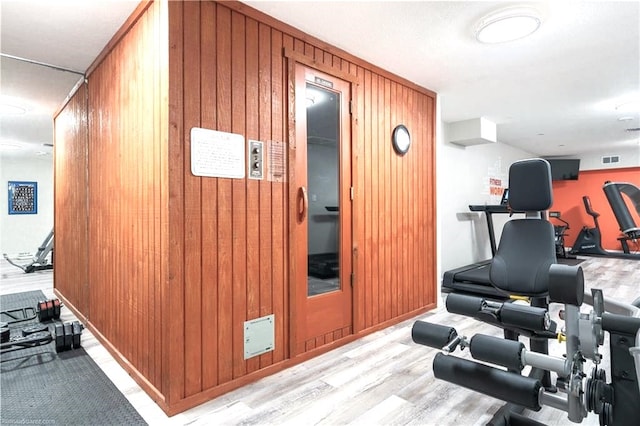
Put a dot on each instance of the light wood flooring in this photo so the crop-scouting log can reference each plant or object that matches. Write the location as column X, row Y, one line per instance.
column 383, row 378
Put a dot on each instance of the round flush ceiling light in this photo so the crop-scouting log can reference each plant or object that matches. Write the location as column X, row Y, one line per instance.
column 11, row 109
column 630, row 106
column 508, row 25
column 11, row 106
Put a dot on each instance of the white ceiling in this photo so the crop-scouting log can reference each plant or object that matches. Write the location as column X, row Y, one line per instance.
column 554, row 93
column 69, row 34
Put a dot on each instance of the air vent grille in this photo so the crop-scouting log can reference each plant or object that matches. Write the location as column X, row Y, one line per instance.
column 611, row 159
column 634, row 129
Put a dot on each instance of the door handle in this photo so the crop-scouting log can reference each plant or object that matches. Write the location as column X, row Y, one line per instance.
column 303, row 204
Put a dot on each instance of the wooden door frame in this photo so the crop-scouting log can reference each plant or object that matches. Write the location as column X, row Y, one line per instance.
column 294, row 60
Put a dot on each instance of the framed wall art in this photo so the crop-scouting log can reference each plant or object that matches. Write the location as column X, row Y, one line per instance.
column 23, row 197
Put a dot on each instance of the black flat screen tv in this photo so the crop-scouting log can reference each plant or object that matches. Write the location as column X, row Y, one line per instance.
column 564, row 169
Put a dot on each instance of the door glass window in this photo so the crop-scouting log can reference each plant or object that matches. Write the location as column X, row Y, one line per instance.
column 323, row 178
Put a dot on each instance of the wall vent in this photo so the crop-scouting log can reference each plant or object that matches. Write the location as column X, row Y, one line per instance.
column 611, row 159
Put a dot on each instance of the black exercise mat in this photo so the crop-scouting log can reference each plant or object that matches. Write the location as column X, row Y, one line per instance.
column 40, row 386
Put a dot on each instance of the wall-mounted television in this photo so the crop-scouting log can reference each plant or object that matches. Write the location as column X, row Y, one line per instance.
column 564, row 169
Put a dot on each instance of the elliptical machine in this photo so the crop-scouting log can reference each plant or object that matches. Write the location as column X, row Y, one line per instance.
column 559, row 230
column 589, row 240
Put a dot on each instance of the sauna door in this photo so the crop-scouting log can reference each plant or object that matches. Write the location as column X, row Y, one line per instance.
column 321, row 198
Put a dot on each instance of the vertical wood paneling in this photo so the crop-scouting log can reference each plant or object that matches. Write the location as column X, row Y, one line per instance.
column 374, row 182
column 174, row 365
column 252, row 273
column 159, row 183
column 70, row 188
column 177, row 262
column 366, row 196
column 395, row 206
column 225, row 206
column 253, row 194
column 279, row 201
column 125, row 211
column 209, row 204
column 265, row 199
column 192, row 203
column 387, row 218
column 239, row 197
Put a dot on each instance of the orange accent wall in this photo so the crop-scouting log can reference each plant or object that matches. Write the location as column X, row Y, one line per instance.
column 567, row 199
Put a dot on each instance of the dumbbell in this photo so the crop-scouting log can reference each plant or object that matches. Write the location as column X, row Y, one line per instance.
column 48, row 309
column 68, row 336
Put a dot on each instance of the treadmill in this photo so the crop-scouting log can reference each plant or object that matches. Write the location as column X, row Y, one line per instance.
column 474, row 278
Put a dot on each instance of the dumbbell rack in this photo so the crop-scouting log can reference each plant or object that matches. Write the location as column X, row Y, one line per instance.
column 66, row 335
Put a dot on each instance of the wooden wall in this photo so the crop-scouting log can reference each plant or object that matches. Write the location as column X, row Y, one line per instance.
column 177, row 263
column 228, row 72
column 111, row 227
column 227, row 236
column 128, row 202
column 71, row 232
column 396, row 197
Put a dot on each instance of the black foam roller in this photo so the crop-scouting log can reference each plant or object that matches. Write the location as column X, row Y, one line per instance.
column 432, row 335
column 509, row 387
column 524, row 316
column 497, row 351
column 462, row 304
column 566, row 284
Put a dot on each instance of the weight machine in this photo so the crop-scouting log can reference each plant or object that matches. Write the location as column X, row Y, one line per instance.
column 41, row 260
column 525, row 265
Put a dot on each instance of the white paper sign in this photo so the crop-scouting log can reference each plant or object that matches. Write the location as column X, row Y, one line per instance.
column 277, row 162
column 217, row 154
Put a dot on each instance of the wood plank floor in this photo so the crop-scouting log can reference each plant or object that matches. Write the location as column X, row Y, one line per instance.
column 383, row 378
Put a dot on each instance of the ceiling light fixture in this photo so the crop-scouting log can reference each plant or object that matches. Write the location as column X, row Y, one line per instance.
column 7, row 145
column 631, row 106
column 11, row 109
column 508, row 24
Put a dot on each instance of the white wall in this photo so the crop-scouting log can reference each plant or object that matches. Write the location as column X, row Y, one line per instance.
column 24, row 233
column 629, row 157
column 463, row 175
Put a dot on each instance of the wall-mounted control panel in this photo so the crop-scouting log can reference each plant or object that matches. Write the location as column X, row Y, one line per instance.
column 256, row 160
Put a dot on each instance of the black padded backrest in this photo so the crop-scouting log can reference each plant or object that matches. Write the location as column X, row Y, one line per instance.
column 527, row 246
column 530, row 185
